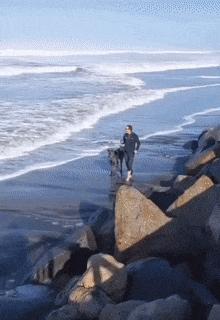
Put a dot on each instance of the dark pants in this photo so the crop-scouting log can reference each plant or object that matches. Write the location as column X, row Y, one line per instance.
column 129, row 158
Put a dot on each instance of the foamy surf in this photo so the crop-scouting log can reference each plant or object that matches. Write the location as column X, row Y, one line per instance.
column 188, row 120
column 103, row 106
column 16, row 71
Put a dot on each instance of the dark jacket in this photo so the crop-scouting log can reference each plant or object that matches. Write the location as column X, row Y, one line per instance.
column 131, row 142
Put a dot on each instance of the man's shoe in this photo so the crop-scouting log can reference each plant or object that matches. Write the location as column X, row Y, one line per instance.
column 129, row 176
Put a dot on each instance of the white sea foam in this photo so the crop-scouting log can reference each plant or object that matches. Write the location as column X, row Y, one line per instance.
column 152, row 67
column 49, row 165
column 188, row 120
column 95, row 108
column 15, row 71
column 209, row 77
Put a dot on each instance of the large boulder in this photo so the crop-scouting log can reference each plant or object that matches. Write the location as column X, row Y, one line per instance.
column 67, row 312
column 163, row 197
column 200, row 186
column 106, row 273
column 197, row 160
column 214, row 313
column 198, row 210
column 143, row 230
column 154, row 278
column 83, row 237
column 213, row 223
column 136, row 218
column 63, row 296
column 211, row 267
column 102, row 224
column 208, row 137
column 89, row 301
column 74, row 250
column 172, row 308
column 183, row 182
column 214, row 170
column 119, row 311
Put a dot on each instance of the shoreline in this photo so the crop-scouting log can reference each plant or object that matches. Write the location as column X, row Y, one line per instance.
column 45, row 225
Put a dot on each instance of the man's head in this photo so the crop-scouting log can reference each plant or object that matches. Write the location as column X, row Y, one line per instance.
column 128, row 129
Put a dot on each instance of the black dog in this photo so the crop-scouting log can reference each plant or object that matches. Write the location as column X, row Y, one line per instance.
column 116, row 157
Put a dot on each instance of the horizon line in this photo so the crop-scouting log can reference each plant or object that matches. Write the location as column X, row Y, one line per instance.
column 56, row 52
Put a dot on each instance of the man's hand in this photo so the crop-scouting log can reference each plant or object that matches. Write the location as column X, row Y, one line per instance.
column 135, row 151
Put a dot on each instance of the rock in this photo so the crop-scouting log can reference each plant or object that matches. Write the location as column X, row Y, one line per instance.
column 54, row 258
column 193, row 145
column 196, row 212
column 172, row 308
column 119, row 311
column 195, row 162
column 164, row 197
column 215, row 312
column 83, row 237
column 211, row 274
column 208, row 136
column 63, row 296
column 154, row 278
column 201, row 185
column 214, row 171
column 184, row 268
column 106, row 273
column 50, row 264
column 67, row 312
column 26, row 302
column 89, row 301
column 136, row 218
column 183, row 182
column 201, row 295
column 213, row 223
column 102, row 224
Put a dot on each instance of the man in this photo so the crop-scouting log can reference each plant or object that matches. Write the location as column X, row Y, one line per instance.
column 131, row 144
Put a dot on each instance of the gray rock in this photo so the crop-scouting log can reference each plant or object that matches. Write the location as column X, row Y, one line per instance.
column 102, row 224
column 78, row 245
column 119, row 311
column 183, row 182
column 208, row 137
column 213, row 223
column 106, row 273
column 63, row 296
column 67, row 312
column 89, row 301
column 212, row 270
column 163, row 197
column 154, row 278
column 193, row 145
column 201, row 185
column 136, row 218
column 214, row 313
column 214, row 170
column 172, row 308
column 84, row 237
column 196, row 161
column 201, row 295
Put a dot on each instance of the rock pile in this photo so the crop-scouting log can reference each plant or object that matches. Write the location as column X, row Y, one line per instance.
column 158, row 257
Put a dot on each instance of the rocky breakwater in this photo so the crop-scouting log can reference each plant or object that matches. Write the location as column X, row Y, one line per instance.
column 155, row 259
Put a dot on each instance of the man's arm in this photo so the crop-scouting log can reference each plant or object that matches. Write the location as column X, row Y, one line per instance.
column 123, row 140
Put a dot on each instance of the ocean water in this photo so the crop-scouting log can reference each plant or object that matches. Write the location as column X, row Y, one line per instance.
column 61, row 110
column 51, row 103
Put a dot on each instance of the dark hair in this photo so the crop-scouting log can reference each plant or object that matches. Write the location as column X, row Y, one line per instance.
column 129, row 127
